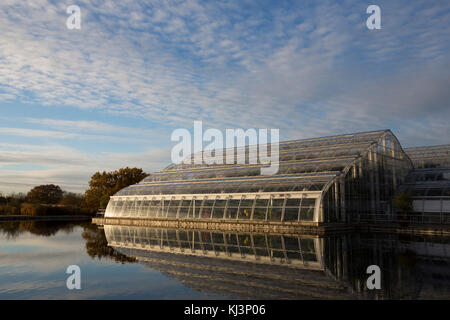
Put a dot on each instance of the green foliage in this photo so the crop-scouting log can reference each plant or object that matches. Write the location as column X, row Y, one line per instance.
column 403, row 202
column 45, row 194
column 105, row 184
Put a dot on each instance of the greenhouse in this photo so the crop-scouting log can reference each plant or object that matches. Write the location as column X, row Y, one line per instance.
column 328, row 179
column 429, row 183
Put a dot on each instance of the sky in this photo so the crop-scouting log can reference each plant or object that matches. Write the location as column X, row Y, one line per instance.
column 109, row 95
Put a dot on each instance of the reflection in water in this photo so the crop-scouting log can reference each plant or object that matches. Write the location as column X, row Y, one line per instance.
column 34, row 258
column 136, row 262
column 97, row 245
column 291, row 267
column 13, row 229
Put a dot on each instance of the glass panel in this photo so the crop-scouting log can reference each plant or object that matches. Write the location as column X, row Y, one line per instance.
column 184, row 209
column 231, row 213
column 137, row 207
column 233, row 203
column 165, row 206
column 274, row 214
column 198, row 204
column 134, row 207
column 126, row 208
column 245, row 209
column 144, row 208
column 219, row 207
column 183, row 212
column 277, row 202
column 153, row 208
column 308, row 202
column 308, row 250
column 261, row 203
column 174, row 204
column 118, row 208
column 291, row 214
column 260, row 213
column 293, row 203
column 207, row 208
column 307, row 209
column 245, row 244
column 247, row 203
column 220, row 203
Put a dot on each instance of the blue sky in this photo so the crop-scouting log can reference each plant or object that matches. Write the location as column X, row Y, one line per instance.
column 109, row 95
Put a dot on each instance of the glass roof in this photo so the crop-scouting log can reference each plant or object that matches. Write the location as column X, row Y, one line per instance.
column 431, row 182
column 305, row 165
column 431, row 177
column 430, row 157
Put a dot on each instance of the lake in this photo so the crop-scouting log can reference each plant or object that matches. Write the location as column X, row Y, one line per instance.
column 119, row 262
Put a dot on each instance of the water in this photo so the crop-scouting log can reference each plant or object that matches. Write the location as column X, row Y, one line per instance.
column 147, row 263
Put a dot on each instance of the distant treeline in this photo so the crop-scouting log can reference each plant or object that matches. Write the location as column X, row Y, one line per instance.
column 51, row 200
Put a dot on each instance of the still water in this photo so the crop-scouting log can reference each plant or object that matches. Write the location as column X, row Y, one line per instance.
column 120, row 262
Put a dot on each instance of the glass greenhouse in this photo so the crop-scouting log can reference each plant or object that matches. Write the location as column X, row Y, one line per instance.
column 328, row 179
column 429, row 183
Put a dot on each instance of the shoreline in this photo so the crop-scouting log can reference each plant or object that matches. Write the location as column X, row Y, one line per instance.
column 44, row 218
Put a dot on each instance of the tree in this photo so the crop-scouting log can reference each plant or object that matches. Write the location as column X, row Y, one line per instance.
column 2, row 199
column 72, row 199
column 45, row 194
column 105, row 184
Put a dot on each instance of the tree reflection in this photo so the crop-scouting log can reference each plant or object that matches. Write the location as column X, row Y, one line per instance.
column 13, row 229
column 97, row 245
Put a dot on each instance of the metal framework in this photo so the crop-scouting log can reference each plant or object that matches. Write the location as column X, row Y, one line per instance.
column 430, row 157
column 429, row 183
column 329, row 179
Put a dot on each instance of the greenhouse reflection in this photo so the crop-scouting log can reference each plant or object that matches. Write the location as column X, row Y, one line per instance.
column 263, row 266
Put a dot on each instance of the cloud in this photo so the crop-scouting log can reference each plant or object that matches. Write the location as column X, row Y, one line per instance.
column 92, row 126
column 68, row 167
column 33, row 133
column 307, row 68
column 126, row 57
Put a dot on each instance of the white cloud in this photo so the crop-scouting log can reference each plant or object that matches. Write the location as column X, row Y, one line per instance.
column 67, row 167
column 307, row 69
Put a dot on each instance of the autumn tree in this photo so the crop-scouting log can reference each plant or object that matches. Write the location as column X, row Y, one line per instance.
column 45, row 194
column 105, row 184
column 2, row 199
column 72, row 199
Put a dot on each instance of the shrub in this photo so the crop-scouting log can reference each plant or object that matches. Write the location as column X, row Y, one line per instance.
column 403, row 202
column 29, row 209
